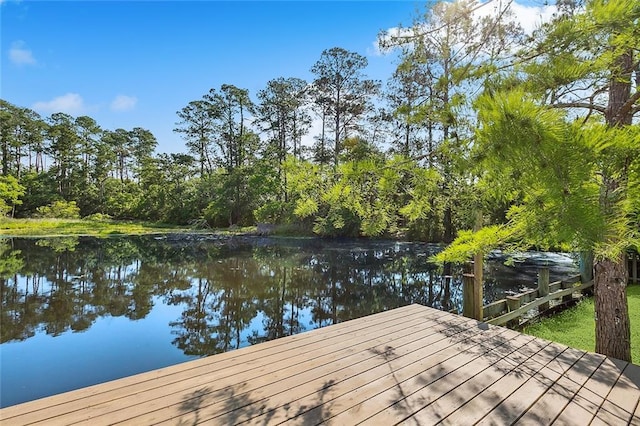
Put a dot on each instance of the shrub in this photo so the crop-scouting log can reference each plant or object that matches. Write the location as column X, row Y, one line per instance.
column 98, row 217
column 59, row 210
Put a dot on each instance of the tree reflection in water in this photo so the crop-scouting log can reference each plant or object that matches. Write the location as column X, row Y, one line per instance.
column 232, row 292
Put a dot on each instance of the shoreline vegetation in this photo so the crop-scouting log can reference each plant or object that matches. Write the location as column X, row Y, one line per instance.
column 99, row 228
column 575, row 327
column 102, row 228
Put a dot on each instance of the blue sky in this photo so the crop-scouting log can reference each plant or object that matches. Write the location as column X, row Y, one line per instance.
column 130, row 64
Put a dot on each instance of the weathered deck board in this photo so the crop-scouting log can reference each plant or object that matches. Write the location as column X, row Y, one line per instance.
column 409, row 364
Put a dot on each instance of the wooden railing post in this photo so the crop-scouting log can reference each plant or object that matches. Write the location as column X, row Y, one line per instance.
column 543, row 287
column 478, row 261
column 478, row 264
column 467, row 295
column 568, row 297
column 513, row 303
column 586, row 269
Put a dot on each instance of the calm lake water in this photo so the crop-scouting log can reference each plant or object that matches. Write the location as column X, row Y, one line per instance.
column 81, row 311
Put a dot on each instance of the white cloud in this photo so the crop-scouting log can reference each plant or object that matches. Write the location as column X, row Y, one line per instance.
column 529, row 17
column 70, row 103
column 389, row 34
column 123, row 103
column 532, row 17
column 20, row 55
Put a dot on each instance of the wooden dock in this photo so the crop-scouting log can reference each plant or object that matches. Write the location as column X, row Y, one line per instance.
column 413, row 365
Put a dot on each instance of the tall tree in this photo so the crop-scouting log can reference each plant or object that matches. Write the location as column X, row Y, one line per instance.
column 283, row 114
column 588, row 61
column 21, row 134
column 341, row 87
column 457, row 49
column 236, row 149
column 232, row 107
column 119, row 141
column 89, row 132
column 579, row 177
column 64, row 148
column 143, row 144
column 197, row 126
column 410, row 93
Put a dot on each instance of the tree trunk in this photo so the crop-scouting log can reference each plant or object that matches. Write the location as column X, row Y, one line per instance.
column 611, row 311
column 610, row 278
column 448, row 225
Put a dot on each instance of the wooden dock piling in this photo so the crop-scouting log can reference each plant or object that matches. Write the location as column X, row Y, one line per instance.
column 543, row 287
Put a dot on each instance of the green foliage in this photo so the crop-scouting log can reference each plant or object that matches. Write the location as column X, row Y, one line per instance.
column 469, row 243
column 269, row 212
column 59, row 210
column 59, row 244
column 98, row 217
column 10, row 193
column 368, row 197
column 121, row 197
column 236, row 196
column 534, row 151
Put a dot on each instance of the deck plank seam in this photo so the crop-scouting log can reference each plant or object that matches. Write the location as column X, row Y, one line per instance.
column 463, row 321
column 534, row 375
column 408, row 378
column 504, row 358
column 469, row 349
column 595, row 413
column 409, row 333
column 466, row 351
column 606, row 400
column 336, row 396
column 575, row 395
column 288, row 366
column 557, row 384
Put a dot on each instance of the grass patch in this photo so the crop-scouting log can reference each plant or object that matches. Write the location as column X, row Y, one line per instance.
column 575, row 327
column 102, row 228
column 62, row 227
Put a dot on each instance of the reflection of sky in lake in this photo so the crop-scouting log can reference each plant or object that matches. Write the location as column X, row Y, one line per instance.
column 112, row 348
column 144, row 303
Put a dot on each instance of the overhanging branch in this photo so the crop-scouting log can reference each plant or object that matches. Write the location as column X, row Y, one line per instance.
column 584, row 105
column 628, row 107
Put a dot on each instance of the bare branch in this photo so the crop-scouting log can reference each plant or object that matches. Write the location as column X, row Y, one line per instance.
column 628, row 106
column 585, row 105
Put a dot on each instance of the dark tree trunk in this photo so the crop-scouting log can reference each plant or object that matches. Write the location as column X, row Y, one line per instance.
column 611, row 311
column 448, row 225
column 619, row 112
column 610, row 278
column 5, row 158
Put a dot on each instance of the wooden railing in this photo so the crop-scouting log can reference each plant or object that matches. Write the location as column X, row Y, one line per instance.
column 634, row 267
column 512, row 308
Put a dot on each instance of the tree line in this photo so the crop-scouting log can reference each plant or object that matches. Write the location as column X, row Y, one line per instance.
column 388, row 157
column 531, row 139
